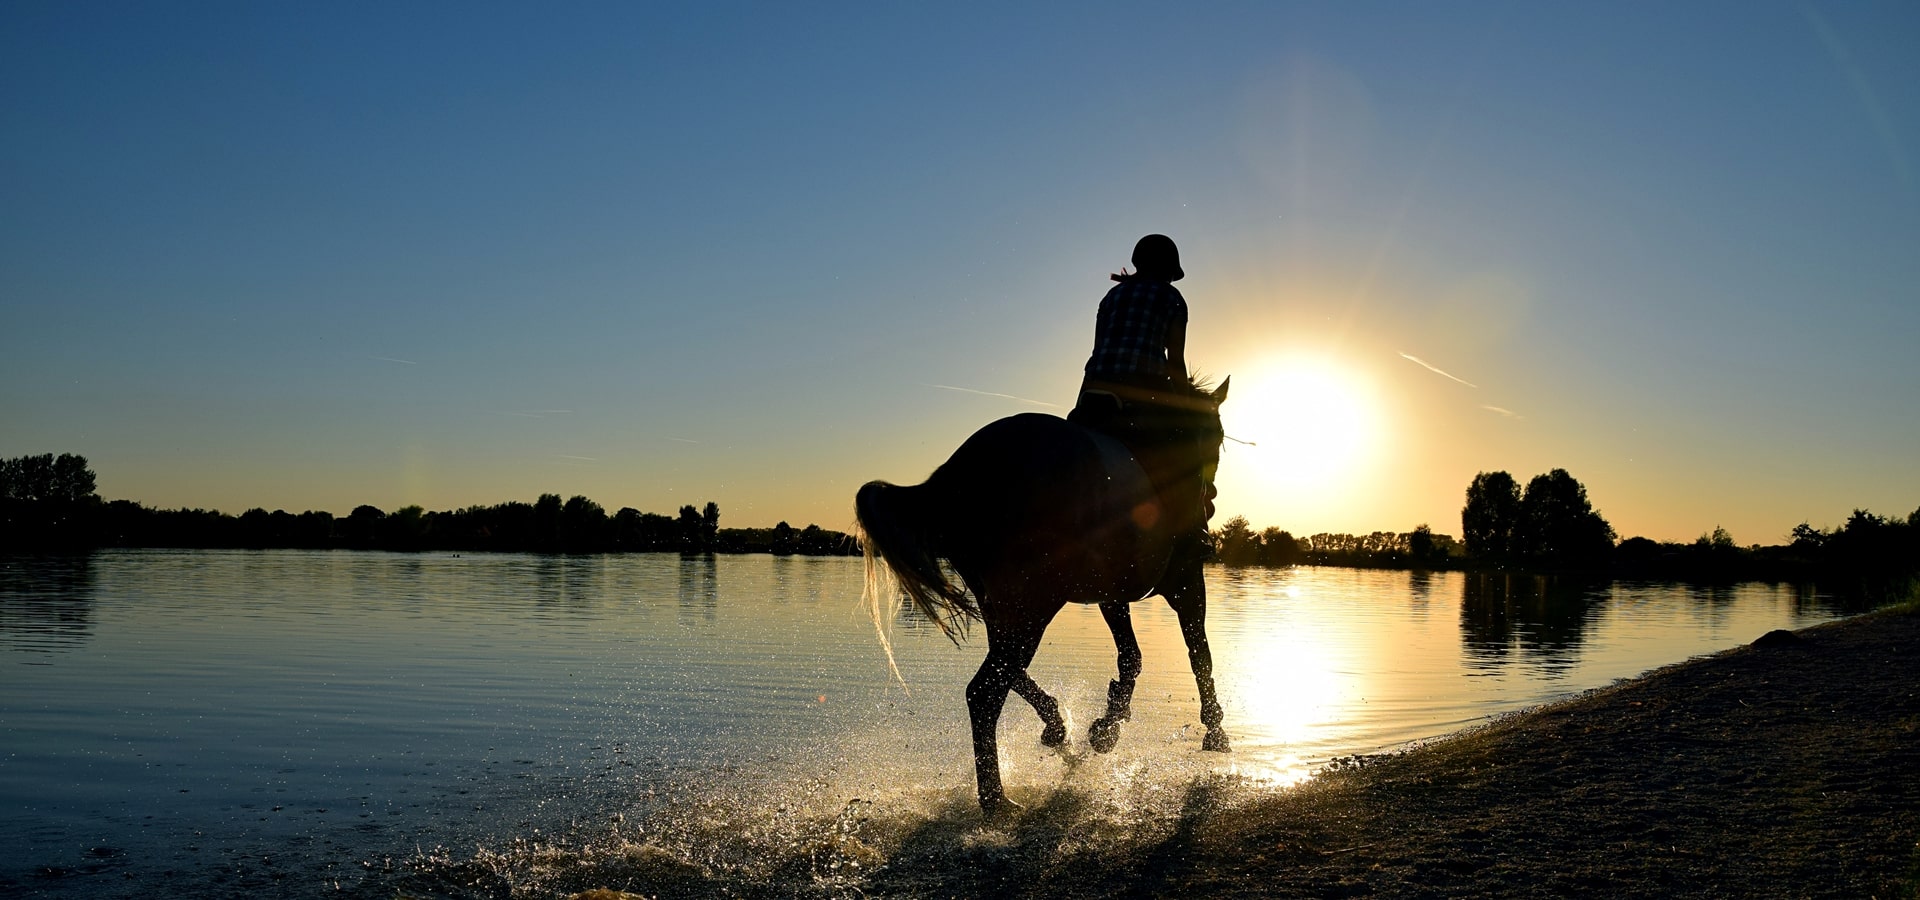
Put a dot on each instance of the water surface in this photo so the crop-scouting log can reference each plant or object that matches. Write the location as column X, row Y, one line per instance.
column 300, row 722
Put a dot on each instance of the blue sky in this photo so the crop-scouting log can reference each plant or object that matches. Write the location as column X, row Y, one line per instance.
column 312, row 257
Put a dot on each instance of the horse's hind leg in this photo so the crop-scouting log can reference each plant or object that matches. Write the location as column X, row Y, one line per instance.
column 1189, row 602
column 1011, row 643
column 1055, row 733
column 1105, row 731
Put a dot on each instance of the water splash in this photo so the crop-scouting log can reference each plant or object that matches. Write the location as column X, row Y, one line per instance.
column 851, row 832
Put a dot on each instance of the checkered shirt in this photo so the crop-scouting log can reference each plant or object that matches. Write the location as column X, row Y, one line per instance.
column 1130, row 335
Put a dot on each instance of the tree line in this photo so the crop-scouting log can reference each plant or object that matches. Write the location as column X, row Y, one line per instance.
column 49, row 502
column 1551, row 526
column 1237, row 544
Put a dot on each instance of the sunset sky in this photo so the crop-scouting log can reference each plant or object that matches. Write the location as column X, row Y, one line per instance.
column 313, row 256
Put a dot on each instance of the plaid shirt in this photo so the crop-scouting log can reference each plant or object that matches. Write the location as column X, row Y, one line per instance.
column 1130, row 335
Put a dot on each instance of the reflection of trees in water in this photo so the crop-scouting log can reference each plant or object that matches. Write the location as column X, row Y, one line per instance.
column 46, row 602
column 699, row 585
column 1810, row 599
column 1236, row 578
column 1420, row 590
column 1543, row 619
column 1714, row 602
column 570, row 587
column 798, row 578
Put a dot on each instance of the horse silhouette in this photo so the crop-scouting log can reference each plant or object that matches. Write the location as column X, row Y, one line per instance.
column 1033, row 512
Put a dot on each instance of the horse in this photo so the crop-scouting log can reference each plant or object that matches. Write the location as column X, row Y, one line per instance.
column 1032, row 512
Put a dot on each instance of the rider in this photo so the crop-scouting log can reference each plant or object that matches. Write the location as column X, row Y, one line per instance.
column 1138, row 362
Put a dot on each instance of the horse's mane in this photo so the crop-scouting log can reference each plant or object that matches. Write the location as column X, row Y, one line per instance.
column 1199, row 384
column 1195, row 396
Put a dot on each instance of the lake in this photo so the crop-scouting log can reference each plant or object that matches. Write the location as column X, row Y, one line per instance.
column 286, row 723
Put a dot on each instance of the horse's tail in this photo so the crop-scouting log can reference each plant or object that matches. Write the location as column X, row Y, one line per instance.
column 901, row 557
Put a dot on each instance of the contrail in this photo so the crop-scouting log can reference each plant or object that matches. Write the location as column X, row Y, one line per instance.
column 1436, row 369
column 1863, row 89
column 406, row 362
column 1505, row 412
column 948, row 387
column 683, row 440
column 585, row 458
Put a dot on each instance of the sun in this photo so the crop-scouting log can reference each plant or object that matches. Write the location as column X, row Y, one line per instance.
column 1311, row 429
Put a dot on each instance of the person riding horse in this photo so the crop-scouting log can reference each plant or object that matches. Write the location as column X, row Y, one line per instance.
column 1033, row 512
column 1139, row 357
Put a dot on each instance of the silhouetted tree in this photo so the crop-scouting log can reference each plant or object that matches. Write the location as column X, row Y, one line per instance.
column 644, row 532
column 784, row 539
column 1238, row 545
column 405, row 529
column 1279, row 548
column 693, row 531
column 256, row 529
column 47, row 501
column 1878, row 556
column 313, row 530
column 1558, row 526
column 1487, row 521
column 710, row 525
column 817, row 541
column 512, row 525
column 546, row 523
column 362, row 527
column 1806, row 539
column 1424, row 548
column 47, row 479
column 583, row 526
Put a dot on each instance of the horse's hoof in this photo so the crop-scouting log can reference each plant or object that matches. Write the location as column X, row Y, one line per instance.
column 1216, row 740
column 1104, row 734
column 1054, row 736
column 1000, row 809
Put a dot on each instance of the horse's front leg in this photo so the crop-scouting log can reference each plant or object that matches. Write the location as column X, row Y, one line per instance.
column 1055, row 732
column 1105, row 732
column 1189, row 601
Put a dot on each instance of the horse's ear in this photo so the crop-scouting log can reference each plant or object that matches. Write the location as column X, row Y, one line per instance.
column 1220, row 393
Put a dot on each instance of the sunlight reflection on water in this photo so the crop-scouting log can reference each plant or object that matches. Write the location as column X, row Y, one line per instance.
column 204, row 711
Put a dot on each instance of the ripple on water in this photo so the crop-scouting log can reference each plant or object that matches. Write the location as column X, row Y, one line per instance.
column 287, row 723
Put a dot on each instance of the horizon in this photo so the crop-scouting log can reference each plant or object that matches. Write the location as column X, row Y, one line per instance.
column 309, row 259
column 1256, row 527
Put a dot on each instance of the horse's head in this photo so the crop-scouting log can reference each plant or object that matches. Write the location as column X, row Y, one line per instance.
column 1201, row 418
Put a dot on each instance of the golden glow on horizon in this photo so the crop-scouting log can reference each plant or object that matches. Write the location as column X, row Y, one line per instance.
column 1315, row 428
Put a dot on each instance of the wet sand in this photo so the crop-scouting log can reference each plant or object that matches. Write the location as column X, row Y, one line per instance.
column 1786, row 768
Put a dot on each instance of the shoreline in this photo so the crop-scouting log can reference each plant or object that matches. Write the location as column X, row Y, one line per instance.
column 1788, row 767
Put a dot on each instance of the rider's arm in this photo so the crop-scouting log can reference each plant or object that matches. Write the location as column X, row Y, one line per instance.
column 1177, row 350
